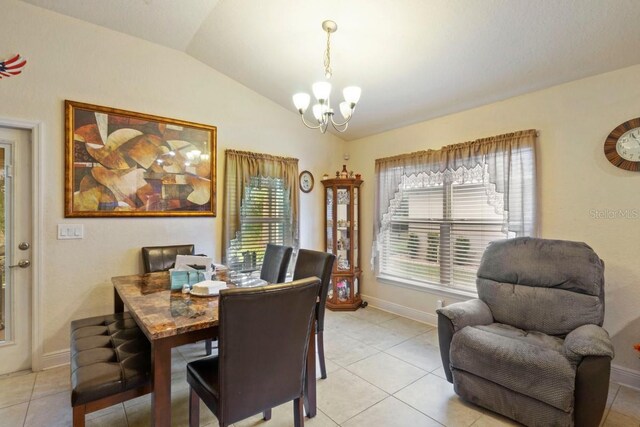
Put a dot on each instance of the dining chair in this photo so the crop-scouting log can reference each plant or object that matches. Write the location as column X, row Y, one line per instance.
column 162, row 258
column 275, row 263
column 314, row 263
column 262, row 350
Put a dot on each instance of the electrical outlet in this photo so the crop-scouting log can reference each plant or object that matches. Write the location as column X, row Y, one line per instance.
column 440, row 303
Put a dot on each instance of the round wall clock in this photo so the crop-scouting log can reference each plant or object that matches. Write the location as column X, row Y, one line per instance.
column 622, row 146
column 306, row 181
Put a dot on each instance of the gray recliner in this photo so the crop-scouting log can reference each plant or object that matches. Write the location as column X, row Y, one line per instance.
column 531, row 347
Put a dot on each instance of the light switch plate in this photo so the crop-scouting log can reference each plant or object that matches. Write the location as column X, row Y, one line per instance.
column 70, row 231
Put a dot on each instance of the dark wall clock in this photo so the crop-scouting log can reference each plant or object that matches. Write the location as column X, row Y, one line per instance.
column 622, row 146
column 306, row 181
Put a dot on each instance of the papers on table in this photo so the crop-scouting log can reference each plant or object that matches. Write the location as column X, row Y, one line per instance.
column 187, row 262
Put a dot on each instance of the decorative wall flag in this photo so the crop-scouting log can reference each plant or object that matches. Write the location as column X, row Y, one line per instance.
column 12, row 66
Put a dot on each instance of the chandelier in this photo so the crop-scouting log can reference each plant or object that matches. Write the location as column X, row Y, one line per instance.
column 322, row 111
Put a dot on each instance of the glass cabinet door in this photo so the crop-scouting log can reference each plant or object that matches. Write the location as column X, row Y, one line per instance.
column 329, row 230
column 355, row 244
column 343, row 237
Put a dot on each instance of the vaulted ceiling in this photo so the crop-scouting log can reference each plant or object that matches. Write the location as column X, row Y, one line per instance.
column 414, row 59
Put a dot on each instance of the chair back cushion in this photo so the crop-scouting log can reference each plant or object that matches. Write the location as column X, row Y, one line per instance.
column 162, row 258
column 551, row 286
column 314, row 263
column 275, row 263
column 263, row 342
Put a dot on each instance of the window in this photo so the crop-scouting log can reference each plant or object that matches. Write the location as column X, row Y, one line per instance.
column 265, row 217
column 438, row 228
column 260, row 207
column 436, row 211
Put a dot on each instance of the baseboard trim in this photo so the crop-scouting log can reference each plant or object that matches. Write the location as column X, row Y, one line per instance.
column 55, row 359
column 401, row 310
column 625, row 376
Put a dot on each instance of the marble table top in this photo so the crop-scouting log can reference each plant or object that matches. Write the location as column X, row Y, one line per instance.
column 161, row 311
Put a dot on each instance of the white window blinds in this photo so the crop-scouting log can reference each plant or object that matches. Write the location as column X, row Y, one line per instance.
column 438, row 229
column 265, row 217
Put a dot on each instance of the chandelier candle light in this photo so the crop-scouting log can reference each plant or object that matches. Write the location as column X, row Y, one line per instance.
column 322, row 111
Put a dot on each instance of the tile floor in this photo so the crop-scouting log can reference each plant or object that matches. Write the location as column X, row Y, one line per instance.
column 383, row 370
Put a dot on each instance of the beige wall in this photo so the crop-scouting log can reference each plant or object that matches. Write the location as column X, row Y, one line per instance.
column 70, row 59
column 574, row 178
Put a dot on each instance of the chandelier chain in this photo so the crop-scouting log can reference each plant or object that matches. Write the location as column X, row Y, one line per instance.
column 327, row 57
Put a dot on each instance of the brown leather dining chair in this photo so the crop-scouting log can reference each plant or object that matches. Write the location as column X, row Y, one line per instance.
column 162, row 258
column 275, row 263
column 314, row 263
column 262, row 351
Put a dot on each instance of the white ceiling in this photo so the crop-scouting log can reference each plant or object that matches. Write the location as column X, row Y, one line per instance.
column 414, row 59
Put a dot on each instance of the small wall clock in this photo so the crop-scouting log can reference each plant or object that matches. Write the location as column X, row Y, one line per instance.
column 622, row 146
column 306, row 181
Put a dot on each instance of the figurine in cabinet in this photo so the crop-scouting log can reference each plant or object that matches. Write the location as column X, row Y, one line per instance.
column 343, row 264
column 343, row 290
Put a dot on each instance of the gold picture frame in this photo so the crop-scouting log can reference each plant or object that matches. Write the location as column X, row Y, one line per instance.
column 121, row 163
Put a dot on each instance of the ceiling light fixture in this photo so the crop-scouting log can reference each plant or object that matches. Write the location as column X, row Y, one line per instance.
column 322, row 111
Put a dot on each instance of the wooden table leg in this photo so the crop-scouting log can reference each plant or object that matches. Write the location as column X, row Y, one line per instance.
column 118, row 305
column 310, row 380
column 161, row 373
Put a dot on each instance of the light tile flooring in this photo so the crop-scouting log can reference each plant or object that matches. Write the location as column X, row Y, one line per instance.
column 383, row 370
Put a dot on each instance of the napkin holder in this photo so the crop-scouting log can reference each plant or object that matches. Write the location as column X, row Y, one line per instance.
column 189, row 270
column 179, row 278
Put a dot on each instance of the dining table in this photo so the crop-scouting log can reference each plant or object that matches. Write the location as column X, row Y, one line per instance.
column 170, row 318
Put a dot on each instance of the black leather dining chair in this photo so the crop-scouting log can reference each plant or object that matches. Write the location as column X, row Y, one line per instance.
column 162, row 258
column 275, row 263
column 262, row 351
column 314, row 263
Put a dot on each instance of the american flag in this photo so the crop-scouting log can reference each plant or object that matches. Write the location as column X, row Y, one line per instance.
column 12, row 66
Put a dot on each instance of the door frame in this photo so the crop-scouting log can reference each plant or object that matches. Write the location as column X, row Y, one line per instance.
column 37, row 221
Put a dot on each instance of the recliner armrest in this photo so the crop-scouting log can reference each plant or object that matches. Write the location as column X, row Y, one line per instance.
column 587, row 340
column 467, row 313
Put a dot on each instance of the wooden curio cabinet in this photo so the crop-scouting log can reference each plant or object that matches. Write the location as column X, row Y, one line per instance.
column 342, row 238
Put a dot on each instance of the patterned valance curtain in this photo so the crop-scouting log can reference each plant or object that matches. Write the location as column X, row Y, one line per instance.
column 239, row 167
column 510, row 160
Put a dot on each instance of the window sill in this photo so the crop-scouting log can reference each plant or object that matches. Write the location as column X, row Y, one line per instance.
column 425, row 287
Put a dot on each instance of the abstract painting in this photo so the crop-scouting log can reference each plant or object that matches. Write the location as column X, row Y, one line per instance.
column 121, row 163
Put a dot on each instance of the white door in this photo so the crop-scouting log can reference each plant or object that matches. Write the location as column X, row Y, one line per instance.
column 15, row 250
